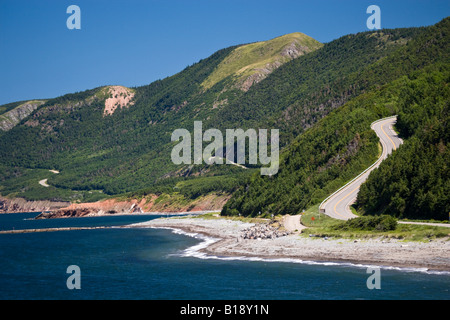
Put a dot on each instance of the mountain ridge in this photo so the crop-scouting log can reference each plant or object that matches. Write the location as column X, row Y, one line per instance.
column 253, row 62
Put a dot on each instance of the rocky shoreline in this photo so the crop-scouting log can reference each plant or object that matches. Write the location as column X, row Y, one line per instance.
column 113, row 206
column 232, row 242
column 72, row 212
column 19, row 205
column 262, row 231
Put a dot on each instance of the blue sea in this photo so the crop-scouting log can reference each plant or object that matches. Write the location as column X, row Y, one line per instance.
column 137, row 263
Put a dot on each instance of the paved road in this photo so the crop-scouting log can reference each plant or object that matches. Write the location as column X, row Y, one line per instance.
column 44, row 183
column 338, row 204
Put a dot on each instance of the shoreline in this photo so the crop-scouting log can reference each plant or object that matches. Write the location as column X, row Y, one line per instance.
column 222, row 239
column 106, row 214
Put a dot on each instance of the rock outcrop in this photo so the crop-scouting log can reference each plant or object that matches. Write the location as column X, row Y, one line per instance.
column 263, row 231
column 51, row 209
column 119, row 97
column 22, row 205
column 11, row 118
column 100, row 208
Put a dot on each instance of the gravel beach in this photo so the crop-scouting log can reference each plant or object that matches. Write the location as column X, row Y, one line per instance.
column 434, row 255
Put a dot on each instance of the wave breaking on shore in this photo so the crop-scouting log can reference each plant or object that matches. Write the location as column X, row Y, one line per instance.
column 213, row 242
column 196, row 252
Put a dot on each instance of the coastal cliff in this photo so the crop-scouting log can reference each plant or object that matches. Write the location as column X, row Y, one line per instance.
column 18, row 205
column 148, row 204
column 104, row 207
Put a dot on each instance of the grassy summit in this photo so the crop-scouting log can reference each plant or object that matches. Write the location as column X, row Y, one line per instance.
column 253, row 62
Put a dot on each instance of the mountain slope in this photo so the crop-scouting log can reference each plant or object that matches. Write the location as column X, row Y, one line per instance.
column 296, row 95
column 117, row 139
column 341, row 145
column 415, row 182
column 251, row 63
column 13, row 116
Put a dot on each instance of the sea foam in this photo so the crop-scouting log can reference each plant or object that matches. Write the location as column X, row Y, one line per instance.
column 196, row 252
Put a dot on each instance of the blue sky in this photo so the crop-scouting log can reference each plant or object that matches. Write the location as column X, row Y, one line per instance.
column 135, row 42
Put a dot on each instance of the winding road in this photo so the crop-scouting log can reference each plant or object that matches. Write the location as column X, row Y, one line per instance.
column 338, row 204
column 44, row 183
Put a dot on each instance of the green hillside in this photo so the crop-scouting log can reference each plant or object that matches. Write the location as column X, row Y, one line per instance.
column 253, row 62
column 340, row 146
column 128, row 149
column 415, row 181
column 299, row 93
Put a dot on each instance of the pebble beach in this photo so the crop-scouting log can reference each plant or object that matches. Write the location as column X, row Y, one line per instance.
column 230, row 240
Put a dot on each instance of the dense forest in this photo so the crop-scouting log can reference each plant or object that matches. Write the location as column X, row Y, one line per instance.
column 415, row 181
column 341, row 145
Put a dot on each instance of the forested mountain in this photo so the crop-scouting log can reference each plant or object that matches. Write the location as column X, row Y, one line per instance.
column 303, row 91
column 340, row 146
column 322, row 97
column 114, row 139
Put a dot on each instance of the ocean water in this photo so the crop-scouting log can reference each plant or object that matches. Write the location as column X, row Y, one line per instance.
column 136, row 263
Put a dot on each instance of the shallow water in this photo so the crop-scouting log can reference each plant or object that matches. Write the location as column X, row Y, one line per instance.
column 136, row 263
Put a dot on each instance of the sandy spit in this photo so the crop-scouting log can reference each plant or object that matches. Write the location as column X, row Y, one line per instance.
column 434, row 255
